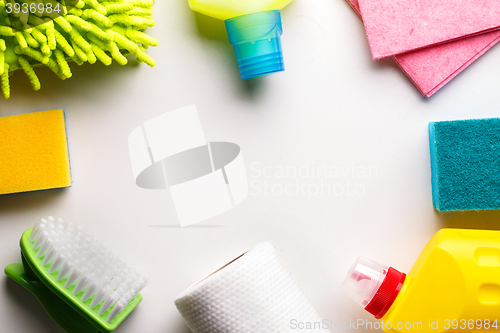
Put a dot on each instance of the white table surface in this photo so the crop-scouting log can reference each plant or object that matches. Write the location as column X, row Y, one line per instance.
column 332, row 108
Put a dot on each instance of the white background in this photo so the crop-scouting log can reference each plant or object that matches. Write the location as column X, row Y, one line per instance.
column 333, row 107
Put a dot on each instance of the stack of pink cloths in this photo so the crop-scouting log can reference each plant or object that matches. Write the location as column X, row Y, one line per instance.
column 431, row 40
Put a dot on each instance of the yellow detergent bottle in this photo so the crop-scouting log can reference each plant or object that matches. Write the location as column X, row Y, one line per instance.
column 254, row 28
column 453, row 286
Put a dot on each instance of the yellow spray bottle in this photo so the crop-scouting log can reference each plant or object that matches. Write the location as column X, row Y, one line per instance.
column 254, row 28
column 453, row 286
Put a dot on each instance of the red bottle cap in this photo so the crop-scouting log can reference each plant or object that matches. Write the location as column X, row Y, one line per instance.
column 374, row 286
column 387, row 293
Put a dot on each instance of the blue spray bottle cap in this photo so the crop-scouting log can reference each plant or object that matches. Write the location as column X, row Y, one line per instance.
column 257, row 41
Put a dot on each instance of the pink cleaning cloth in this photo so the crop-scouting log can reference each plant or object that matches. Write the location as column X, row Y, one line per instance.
column 432, row 67
column 398, row 26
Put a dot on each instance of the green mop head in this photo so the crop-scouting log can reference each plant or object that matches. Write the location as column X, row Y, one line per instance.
column 32, row 35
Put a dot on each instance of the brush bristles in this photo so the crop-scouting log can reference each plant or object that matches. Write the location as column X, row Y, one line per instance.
column 87, row 265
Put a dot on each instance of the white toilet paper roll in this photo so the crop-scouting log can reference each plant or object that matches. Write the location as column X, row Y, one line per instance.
column 252, row 294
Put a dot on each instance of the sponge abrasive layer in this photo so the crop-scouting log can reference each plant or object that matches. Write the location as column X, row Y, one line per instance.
column 465, row 163
column 33, row 152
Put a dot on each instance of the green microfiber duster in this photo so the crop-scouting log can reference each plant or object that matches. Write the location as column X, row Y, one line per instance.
column 465, row 163
column 90, row 30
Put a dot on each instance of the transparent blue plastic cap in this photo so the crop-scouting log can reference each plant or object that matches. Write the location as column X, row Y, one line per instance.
column 257, row 41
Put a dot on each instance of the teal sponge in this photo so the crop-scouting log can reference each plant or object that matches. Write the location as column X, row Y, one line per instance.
column 465, row 163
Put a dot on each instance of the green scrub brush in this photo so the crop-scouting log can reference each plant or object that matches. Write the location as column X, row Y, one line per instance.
column 90, row 30
column 82, row 285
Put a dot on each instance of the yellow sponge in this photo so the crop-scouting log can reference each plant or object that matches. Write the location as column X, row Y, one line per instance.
column 33, row 152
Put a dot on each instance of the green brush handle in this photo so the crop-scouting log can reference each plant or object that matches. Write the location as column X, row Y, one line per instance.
column 67, row 318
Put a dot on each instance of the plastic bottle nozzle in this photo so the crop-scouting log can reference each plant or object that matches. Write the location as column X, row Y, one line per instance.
column 257, row 41
column 373, row 286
